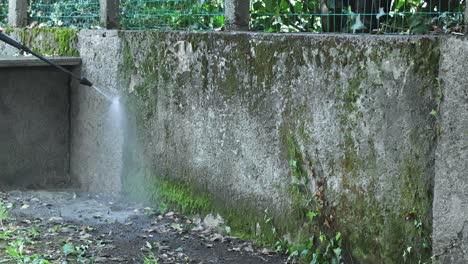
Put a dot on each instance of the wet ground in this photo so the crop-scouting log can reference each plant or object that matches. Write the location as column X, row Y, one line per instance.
column 71, row 227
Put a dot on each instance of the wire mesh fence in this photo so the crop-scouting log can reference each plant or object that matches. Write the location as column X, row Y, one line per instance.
column 3, row 12
column 64, row 13
column 172, row 14
column 347, row 16
column 357, row 16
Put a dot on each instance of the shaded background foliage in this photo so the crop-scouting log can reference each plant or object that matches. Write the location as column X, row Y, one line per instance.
column 384, row 16
column 379, row 16
column 64, row 13
column 3, row 12
column 172, row 14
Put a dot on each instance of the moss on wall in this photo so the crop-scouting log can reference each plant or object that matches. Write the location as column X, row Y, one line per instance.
column 49, row 41
column 381, row 230
column 375, row 228
column 192, row 198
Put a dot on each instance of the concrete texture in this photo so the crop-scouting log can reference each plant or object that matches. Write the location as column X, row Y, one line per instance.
column 35, row 127
column 23, row 61
column 236, row 15
column 17, row 13
column 109, row 14
column 373, row 129
column 253, row 120
column 451, row 178
column 46, row 41
column 97, row 138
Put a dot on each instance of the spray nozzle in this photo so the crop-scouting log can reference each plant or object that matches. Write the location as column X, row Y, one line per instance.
column 85, row 81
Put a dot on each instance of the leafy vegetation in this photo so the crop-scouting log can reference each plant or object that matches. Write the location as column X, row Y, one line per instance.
column 17, row 252
column 421, row 244
column 316, row 248
column 3, row 12
column 4, row 213
column 29, row 242
column 150, row 259
column 410, row 16
column 64, row 13
column 403, row 17
column 172, row 14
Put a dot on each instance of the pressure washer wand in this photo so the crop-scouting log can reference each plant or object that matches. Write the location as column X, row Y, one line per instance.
column 16, row 44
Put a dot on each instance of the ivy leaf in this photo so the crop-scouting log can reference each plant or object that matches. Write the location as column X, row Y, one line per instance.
column 311, row 215
column 322, row 237
column 337, row 252
column 409, row 249
column 419, row 24
column 68, row 249
column 13, row 252
column 314, row 259
column 338, row 236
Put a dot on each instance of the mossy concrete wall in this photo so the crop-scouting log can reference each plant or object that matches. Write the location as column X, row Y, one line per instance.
column 46, row 41
column 257, row 121
column 355, row 128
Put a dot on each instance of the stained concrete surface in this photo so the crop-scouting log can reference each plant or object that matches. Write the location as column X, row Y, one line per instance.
column 229, row 113
column 91, row 161
column 34, row 125
column 203, row 108
column 73, row 206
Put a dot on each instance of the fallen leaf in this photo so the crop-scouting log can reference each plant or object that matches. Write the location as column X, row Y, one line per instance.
column 169, row 214
column 179, row 249
column 148, row 245
column 216, row 237
column 56, row 219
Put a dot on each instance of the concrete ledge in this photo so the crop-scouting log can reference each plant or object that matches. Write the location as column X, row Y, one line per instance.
column 30, row 61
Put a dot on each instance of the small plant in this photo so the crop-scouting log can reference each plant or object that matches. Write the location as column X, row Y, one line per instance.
column 439, row 97
column 418, row 249
column 151, row 259
column 34, row 233
column 6, row 235
column 78, row 251
column 17, row 252
column 4, row 213
column 163, row 208
column 319, row 248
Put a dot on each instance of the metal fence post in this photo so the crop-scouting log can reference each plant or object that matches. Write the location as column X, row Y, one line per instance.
column 236, row 14
column 17, row 13
column 109, row 14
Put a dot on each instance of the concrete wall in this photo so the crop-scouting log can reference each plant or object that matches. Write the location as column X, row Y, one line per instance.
column 372, row 129
column 268, row 121
column 97, row 138
column 35, row 124
column 451, row 167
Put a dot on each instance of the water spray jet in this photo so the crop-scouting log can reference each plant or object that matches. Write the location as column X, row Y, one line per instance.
column 5, row 38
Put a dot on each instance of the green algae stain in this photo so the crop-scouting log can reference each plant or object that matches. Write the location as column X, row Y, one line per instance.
column 377, row 229
column 145, row 186
column 128, row 65
column 191, row 198
column 295, row 158
column 51, row 41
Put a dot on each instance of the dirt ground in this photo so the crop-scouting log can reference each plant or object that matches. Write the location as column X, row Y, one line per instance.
column 72, row 227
